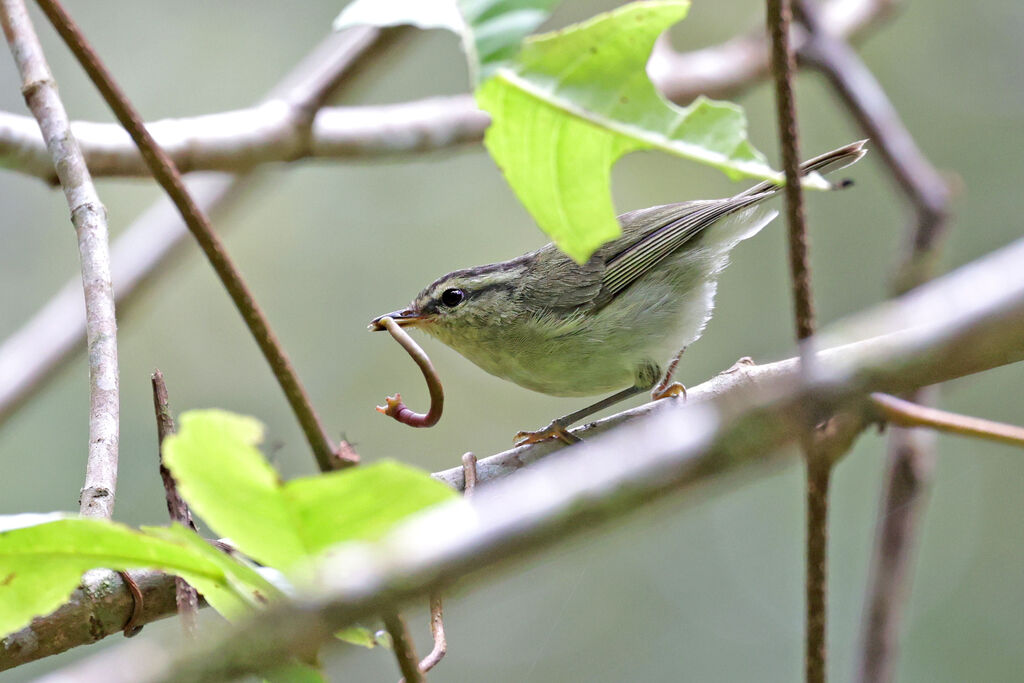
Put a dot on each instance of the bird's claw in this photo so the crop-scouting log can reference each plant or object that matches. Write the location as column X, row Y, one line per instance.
column 671, row 391
column 555, row 430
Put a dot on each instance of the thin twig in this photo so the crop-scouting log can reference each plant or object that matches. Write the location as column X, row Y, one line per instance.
column 437, row 632
column 783, row 67
column 90, row 220
column 186, row 596
column 907, row 414
column 33, row 354
column 405, row 651
column 394, row 406
column 911, row 455
column 436, row 604
column 170, row 180
column 779, row 17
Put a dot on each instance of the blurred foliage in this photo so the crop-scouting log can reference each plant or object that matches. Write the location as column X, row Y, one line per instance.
column 706, row 589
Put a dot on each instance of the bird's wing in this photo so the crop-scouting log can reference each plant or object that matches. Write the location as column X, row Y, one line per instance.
column 668, row 234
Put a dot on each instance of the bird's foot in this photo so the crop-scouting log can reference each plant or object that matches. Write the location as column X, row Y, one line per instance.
column 555, row 430
column 670, row 391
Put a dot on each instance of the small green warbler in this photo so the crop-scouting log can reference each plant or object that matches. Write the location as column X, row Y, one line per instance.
column 552, row 325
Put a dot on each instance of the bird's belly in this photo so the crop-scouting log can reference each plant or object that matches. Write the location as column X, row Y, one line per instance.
column 601, row 352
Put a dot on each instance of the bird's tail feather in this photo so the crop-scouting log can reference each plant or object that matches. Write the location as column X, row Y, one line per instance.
column 826, row 163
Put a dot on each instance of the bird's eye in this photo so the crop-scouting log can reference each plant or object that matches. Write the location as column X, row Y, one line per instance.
column 452, row 297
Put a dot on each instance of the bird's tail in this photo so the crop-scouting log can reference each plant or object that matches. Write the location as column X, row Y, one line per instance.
column 826, row 163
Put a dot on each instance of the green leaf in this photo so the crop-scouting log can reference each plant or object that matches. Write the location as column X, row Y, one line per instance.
column 575, row 101
column 296, row 672
column 226, row 480
column 358, row 635
column 490, row 30
column 361, row 503
column 42, row 558
column 242, row 589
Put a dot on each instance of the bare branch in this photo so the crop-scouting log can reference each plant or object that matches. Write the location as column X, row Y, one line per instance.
column 908, row 470
column 239, row 140
column 967, row 316
column 907, row 414
column 911, row 455
column 967, row 322
column 90, row 220
column 722, row 70
column 170, row 180
column 90, row 615
column 405, row 650
column 35, row 352
column 826, row 51
column 186, row 596
column 819, row 468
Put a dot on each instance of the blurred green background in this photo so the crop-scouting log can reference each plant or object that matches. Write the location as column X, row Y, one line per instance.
column 703, row 589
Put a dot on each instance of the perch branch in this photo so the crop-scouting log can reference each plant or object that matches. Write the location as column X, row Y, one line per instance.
column 966, row 322
column 90, row 220
column 237, row 141
column 962, row 323
column 170, row 180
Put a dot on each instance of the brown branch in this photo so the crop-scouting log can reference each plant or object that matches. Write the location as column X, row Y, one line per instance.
column 170, row 180
column 394, row 407
column 90, row 220
column 90, row 615
column 186, row 596
column 908, row 471
column 819, row 468
column 723, row 70
column 864, row 97
column 102, row 606
column 33, row 354
column 911, row 455
column 896, row 411
column 405, row 650
column 440, row 648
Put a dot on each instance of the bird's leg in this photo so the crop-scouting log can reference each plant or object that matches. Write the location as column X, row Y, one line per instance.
column 558, row 429
column 666, row 387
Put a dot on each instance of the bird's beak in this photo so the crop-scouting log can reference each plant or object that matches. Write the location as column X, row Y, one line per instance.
column 404, row 317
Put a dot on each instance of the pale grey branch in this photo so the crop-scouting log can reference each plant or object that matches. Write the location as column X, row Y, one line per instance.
column 39, row 348
column 969, row 321
column 89, row 217
column 239, row 140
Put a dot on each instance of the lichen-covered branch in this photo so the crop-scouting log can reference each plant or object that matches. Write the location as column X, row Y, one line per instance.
column 89, row 217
